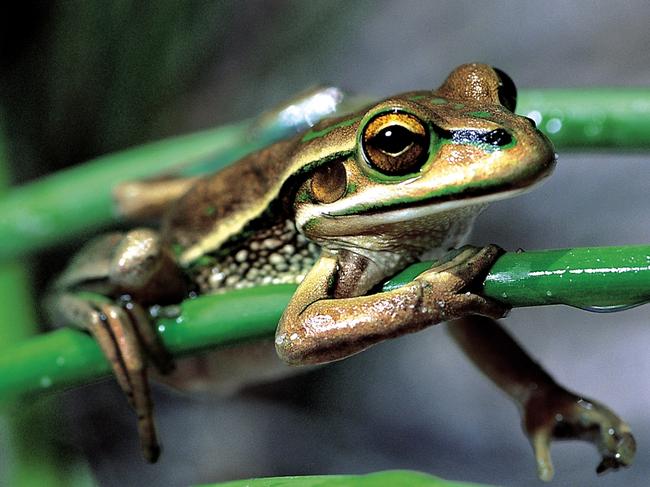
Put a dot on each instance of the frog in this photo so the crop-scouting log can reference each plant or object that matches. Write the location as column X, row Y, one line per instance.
column 337, row 209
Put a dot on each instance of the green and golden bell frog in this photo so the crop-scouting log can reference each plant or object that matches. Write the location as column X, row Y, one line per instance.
column 338, row 209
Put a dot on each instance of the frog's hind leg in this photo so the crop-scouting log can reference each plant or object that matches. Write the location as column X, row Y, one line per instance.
column 133, row 269
column 549, row 411
column 89, row 296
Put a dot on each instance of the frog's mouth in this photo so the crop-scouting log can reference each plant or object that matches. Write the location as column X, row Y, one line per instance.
column 468, row 196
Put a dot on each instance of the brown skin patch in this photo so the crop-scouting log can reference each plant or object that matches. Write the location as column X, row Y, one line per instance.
column 351, row 269
column 473, row 82
column 149, row 199
column 245, row 190
column 233, row 190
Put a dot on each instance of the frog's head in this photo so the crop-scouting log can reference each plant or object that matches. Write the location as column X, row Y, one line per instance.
column 422, row 153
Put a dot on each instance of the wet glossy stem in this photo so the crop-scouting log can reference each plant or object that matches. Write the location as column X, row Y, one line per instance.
column 606, row 277
column 78, row 200
column 598, row 279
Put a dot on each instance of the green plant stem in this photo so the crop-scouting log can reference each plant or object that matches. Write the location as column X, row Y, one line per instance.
column 591, row 118
column 389, row 478
column 33, row 455
column 608, row 278
column 596, row 279
column 77, row 201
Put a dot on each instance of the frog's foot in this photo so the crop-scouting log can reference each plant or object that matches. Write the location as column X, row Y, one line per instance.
column 454, row 283
column 559, row 414
column 151, row 342
column 118, row 331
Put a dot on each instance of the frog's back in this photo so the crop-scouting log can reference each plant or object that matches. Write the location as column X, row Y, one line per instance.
column 238, row 193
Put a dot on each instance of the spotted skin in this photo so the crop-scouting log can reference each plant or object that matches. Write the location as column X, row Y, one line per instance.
column 276, row 255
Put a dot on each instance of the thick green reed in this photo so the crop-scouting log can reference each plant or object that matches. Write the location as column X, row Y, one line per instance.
column 29, row 428
column 608, row 278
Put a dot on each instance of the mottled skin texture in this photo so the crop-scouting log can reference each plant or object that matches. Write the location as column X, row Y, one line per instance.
column 339, row 209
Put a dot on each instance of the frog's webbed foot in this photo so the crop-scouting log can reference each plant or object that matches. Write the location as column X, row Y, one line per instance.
column 560, row 414
column 116, row 330
column 453, row 283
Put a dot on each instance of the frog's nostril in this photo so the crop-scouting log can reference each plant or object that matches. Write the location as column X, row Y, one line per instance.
column 497, row 138
column 532, row 122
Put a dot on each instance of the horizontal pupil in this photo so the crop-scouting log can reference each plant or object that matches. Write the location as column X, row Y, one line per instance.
column 393, row 140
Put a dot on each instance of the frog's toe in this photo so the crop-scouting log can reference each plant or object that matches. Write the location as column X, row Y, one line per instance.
column 453, row 285
column 617, row 448
column 470, row 303
column 622, row 456
column 465, row 265
column 477, row 262
column 541, row 442
column 595, row 422
column 126, row 346
column 116, row 330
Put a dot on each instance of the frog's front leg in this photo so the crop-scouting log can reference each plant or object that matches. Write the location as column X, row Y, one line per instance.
column 548, row 410
column 103, row 291
column 329, row 318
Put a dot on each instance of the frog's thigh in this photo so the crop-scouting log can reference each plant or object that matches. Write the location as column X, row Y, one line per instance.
column 135, row 262
column 230, row 370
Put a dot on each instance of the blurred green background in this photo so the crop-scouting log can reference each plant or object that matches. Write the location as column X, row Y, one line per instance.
column 79, row 79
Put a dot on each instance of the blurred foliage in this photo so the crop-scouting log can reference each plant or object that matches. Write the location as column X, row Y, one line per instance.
column 388, row 478
column 30, row 431
column 79, row 79
column 91, row 77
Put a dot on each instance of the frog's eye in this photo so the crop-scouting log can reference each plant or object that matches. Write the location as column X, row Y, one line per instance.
column 329, row 182
column 396, row 143
column 507, row 90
